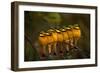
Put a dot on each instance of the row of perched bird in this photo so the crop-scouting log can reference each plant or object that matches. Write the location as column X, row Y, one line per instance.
column 70, row 35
